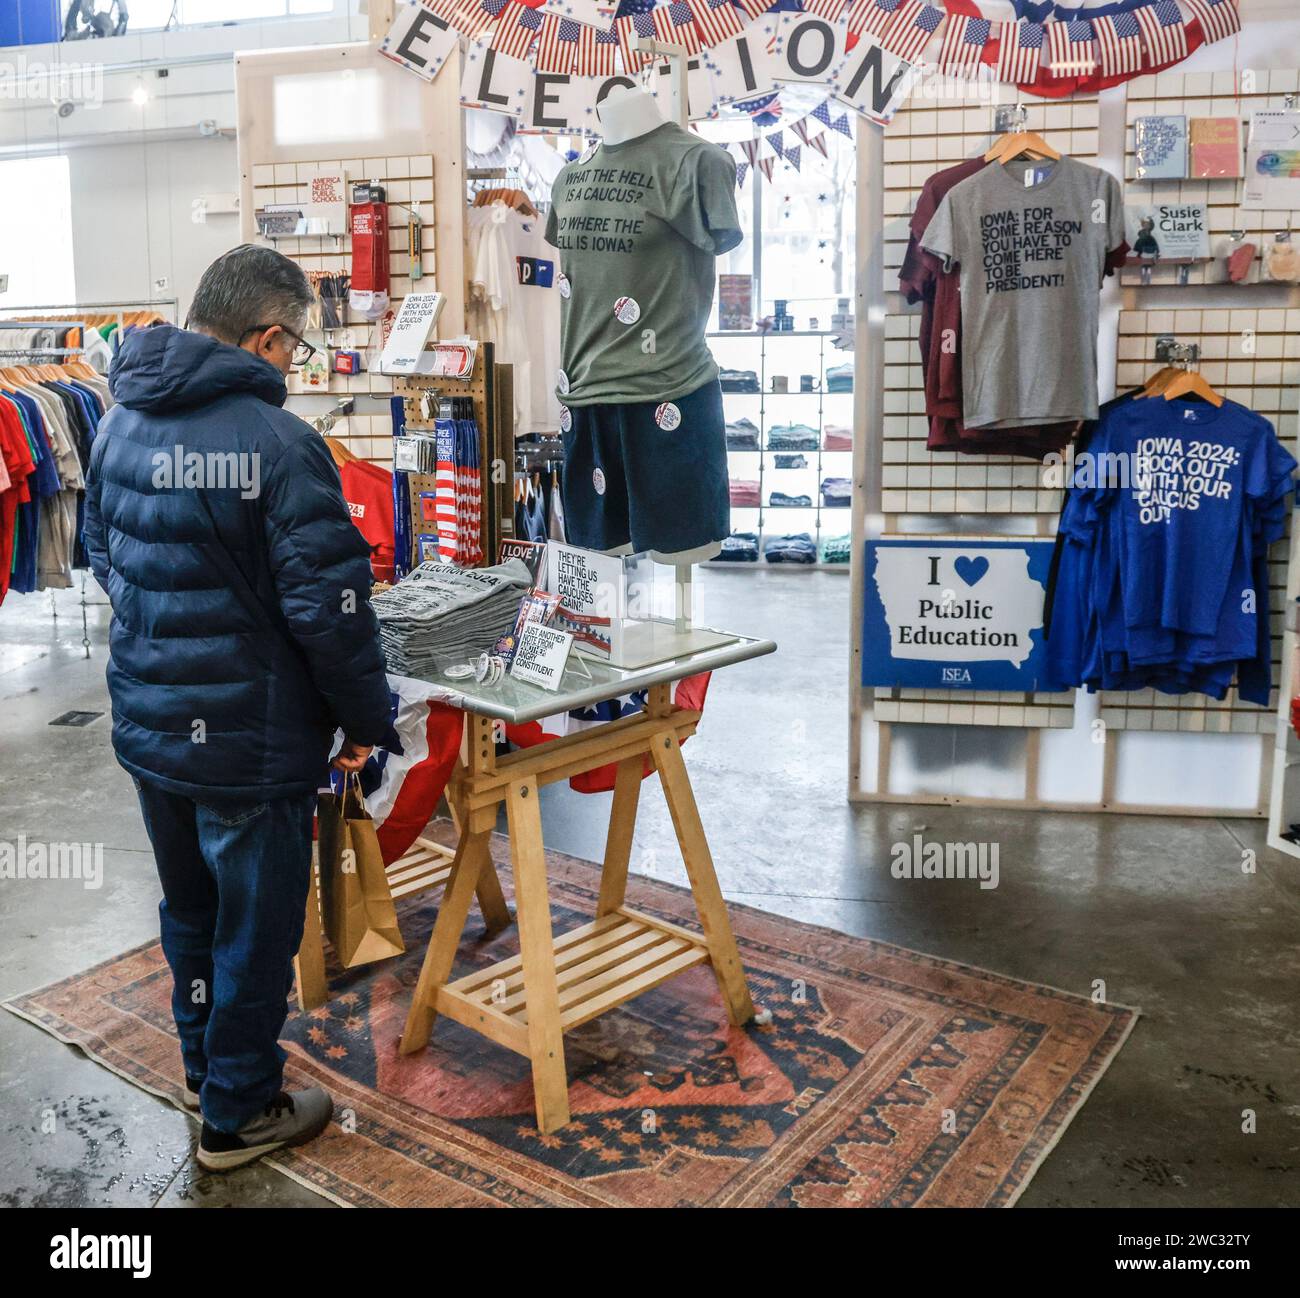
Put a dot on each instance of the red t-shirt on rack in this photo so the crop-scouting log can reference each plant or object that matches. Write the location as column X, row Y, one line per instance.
column 368, row 489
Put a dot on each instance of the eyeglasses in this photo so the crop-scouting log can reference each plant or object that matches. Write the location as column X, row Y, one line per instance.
column 303, row 351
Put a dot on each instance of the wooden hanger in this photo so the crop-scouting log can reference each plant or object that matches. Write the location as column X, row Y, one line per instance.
column 1160, row 380
column 1021, row 144
column 515, row 198
column 340, row 453
column 1190, row 383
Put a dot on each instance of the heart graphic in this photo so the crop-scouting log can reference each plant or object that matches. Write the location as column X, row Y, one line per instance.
column 971, row 571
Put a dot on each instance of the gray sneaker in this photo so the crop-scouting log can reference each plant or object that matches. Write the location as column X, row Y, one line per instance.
column 292, row 1118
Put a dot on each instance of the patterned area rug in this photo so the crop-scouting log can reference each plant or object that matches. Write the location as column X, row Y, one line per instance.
column 885, row 1078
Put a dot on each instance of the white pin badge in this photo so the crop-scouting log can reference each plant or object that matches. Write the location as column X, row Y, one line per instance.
column 562, row 381
column 667, row 416
column 563, row 285
column 598, row 481
column 589, row 150
column 627, row 311
column 566, row 419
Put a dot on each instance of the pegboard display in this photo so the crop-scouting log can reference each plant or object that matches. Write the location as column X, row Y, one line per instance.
column 1206, row 94
column 408, row 180
column 928, row 135
column 1251, row 357
column 915, row 480
column 975, row 708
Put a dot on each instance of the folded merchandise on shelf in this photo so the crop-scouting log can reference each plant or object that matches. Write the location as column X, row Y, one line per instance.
column 744, row 493
column 790, row 461
column 839, row 378
column 837, row 493
column 793, row 437
column 739, row 381
column 797, row 547
column 739, row 547
column 742, row 435
column 835, row 437
column 836, row 549
column 782, row 500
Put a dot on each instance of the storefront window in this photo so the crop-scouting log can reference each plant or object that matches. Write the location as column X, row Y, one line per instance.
column 41, row 225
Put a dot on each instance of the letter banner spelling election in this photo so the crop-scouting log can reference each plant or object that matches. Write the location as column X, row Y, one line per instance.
column 956, row 615
column 550, row 62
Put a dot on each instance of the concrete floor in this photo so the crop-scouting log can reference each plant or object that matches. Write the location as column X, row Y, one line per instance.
column 1156, row 907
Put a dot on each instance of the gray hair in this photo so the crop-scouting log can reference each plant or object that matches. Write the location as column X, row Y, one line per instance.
column 248, row 286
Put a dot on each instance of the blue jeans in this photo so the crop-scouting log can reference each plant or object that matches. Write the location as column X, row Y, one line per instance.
column 234, row 883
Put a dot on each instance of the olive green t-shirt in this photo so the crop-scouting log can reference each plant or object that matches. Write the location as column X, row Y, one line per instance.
column 638, row 226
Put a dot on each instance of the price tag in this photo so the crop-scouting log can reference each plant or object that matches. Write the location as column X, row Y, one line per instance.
column 541, row 655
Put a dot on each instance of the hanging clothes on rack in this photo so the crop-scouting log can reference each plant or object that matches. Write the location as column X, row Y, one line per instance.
column 515, row 301
column 48, row 418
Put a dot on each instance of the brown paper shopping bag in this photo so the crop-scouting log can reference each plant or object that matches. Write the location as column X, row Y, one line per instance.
column 356, row 904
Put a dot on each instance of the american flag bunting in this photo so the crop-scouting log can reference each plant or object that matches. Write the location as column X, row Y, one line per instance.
column 629, row 29
column 675, row 24
column 716, row 20
column 872, row 17
column 516, row 30
column 1119, row 44
column 1218, row 18
column 755, row 8
column 1021, row 48
column 910, row 32
column 1072, row 48
column 1162, row 25
column 557, row 44
column 963, row 43
column 827, row 9
column 595, row 53
column 481, row 16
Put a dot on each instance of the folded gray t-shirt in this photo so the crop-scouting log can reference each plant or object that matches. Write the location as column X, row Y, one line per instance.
column 1032, row 262
column 638, row 226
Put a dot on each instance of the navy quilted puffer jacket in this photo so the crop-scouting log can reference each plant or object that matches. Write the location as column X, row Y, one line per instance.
column 242, row 628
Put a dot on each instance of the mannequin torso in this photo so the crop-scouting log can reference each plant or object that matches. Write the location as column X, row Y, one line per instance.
column 627, row 113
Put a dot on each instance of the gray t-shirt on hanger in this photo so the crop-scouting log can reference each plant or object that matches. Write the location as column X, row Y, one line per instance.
column 638, row 226
column 1032, row 262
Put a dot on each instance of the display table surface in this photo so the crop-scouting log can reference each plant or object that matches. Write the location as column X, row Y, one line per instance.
column 529, row 1001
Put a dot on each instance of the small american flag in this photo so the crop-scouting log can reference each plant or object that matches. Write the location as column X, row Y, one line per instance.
column 557, row 44
column 910, row 32
column 755, row 8
column 1218, row 18
column 1119, row 41
column 595, row 53
column 1166, row 37
column 481, row 16
column 963, row 44
column 873, row 16
column 827, row 9
column 1072, row 48
column 675, row 24
column 516, row 30
column 629, row 29
column 1020, row 51
column 717, row 20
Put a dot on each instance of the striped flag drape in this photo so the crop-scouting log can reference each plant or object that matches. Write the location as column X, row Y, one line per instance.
column 1162, row 25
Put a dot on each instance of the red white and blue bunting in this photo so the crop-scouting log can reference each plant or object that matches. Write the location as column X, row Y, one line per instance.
column 742, row 49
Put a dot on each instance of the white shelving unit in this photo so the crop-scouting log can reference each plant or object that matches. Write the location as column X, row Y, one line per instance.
column 792, row 354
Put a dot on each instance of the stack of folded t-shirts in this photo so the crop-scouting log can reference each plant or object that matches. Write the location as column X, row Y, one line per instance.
column 440, row 613
column 784, row 500
column 738, row 381
column 837, row 438
column 835, row 549
column 744, row 493
column 836, row 492
column 796, row 548
column 839, row 378
column 792, row 437
column 742, row 435
column 740, row 547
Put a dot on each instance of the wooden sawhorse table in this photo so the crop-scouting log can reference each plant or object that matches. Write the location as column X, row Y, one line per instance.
column 529, row 1001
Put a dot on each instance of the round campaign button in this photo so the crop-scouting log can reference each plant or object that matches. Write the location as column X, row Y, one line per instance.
column 566, row 419
column 562, row 380
column 667, row 416
column 564, row 286
column 598, row 481
column 589, row 150
column 627, row 311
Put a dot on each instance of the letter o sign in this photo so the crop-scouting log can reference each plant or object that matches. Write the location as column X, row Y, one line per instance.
column 823, row 59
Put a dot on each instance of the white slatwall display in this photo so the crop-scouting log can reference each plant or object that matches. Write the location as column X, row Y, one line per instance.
column 928, row 135
column 1207, row 94
column 1251, row 357
column 408, row 180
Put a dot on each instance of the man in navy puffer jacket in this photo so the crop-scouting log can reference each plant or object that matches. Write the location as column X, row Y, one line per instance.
column 242, row 637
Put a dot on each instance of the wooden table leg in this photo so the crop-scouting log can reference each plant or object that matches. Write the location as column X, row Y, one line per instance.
column 309, row 963
column 622, row 824
column 537, row 952
column 491, row 900
column 471, row 853
column 718, row 936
